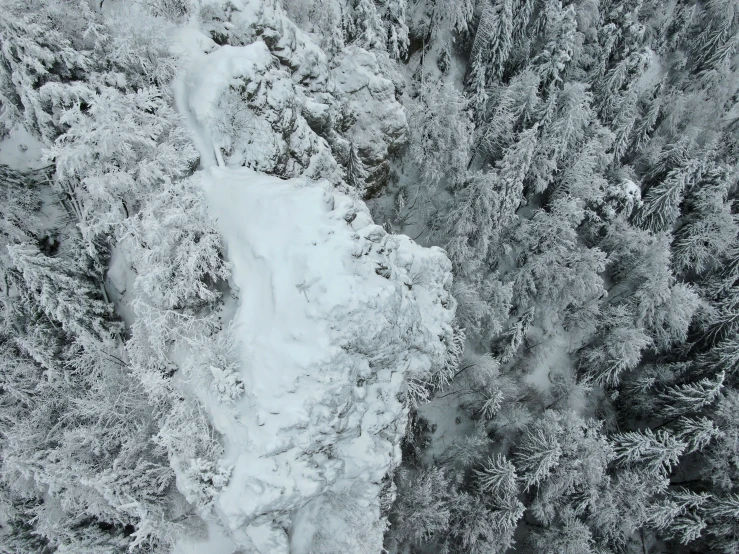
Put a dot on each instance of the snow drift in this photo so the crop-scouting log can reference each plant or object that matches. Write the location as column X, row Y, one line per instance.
column 333, row 316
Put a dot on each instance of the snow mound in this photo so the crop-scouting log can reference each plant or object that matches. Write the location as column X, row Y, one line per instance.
column 272, row 100
column 333, row 315
column 245, row 102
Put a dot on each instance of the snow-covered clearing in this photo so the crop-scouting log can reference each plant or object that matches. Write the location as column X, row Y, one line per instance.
column 21, row 150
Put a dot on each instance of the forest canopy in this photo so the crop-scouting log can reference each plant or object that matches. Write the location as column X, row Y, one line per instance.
column 577, row 162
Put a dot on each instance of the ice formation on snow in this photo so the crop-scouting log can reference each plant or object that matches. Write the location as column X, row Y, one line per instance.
column 333, row 316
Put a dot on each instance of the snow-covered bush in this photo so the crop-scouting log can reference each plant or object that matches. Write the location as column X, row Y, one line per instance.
column 226, row 384
column 201, row 481
column 214, row 362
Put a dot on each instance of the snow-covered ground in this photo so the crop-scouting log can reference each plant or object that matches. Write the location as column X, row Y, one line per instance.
column 333, row 314
column 21, row 150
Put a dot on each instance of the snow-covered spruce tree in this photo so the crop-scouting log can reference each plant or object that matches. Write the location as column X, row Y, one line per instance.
column 20, row 203
column 716, row 42
column 567, row 463
column 442, row 131
column 478, row 96
column 421, row 509
column 437, row 22
column 511, row 172
column 493, row 38
column 52, row 286
column 617, row 349
column 43, row 43
column 555, row 272
column 561, row 41
column 395, row 17
column 75, row 411
column 582, row 175
column 115, row 153
column 563, row 136
column 473, row 223
column 709, row 227
column 355, row 172
column 370, row 31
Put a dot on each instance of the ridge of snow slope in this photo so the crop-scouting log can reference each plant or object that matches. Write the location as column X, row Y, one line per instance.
column 333, row 315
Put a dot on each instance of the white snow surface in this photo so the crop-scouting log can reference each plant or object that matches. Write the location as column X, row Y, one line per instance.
column 333, row 315
column 21, row 150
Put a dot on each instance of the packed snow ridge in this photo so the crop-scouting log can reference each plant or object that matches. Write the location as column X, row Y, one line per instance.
column 333, row 316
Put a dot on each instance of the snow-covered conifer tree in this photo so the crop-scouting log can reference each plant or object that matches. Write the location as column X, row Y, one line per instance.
column 442, row 130
column 709, row 227
column 354, row 170
column 115, row 152
column 371, row 33
column 473, row 223
column 656, row 452
column 53, row 287
column 422, row 507
column 42, row 43
column 661, row 202
column 562, row 135
column 478, row 96
column 394, row 16
column 555, row 270
column 493, row 39
column 617, row 349
column 559, row 49
column 511, row 172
